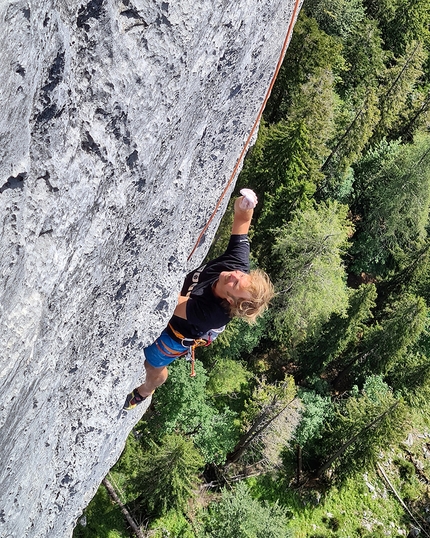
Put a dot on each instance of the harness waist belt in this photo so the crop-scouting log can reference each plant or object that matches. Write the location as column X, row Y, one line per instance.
column 186, row 342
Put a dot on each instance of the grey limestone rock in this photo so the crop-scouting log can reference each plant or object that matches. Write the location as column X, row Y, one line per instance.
column 120, row 124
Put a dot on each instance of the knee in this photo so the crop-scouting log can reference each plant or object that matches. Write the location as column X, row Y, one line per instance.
column 162, row 376
column 157, row 375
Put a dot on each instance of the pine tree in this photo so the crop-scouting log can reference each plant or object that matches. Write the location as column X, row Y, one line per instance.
column 384, row 345
column 308, row 271
column 238, row 515
column 166, row 475
column 340, row 336
column 310, row 52
column 336, row 17
column 392, row 204
column 266, row 404
column 365, row 423
column 401, row 79
column 182, row 405
column 401, row 21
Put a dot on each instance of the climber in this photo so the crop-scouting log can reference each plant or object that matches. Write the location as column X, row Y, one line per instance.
column 210, row 297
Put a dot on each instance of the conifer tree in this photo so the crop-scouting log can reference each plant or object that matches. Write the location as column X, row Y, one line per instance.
column 238, row 515
column 166, row 475
column 336, row 17
column 308, row 271
column 401, row 21
column 366, row 422
column 310, row 52
column 268, row 401
column 182, row 405
column 401, row 79
column 340, row 336
column 392, row 204
column 384, row 346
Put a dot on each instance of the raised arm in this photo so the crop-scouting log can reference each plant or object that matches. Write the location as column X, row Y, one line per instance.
column 243, row 211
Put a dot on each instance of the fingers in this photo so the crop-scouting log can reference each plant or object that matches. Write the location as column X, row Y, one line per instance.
column 249, row 200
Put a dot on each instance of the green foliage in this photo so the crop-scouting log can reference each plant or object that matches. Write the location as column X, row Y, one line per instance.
column 392, row 203
column 400, row 81
column 267, row 403
column 386, row 346
column 217, row 437
column 406, row 469
column 227, row 377
column 309, row 273
column 238, row 339
column 288, row 171
column 310, row 53
column 366, row 422
column 166, row 475
column 365, row 57
column 401, row 21
column 103, row 519
column 126, row 463
column 267, row 398
column 316, row 411
column 172, row 525
column 185, row 407
column 181, row 401
column 336, row 17
column 315, row 106
column 287, row 174
column 413, row 275
column 284, row 168
column 360, row 505
column 355, row 127
column 238, row 515
column 416, row 115
column 412, row 379
column 341, row 334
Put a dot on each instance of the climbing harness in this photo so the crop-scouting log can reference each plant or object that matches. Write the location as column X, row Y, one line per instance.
column 191, row 344
column 257, row 121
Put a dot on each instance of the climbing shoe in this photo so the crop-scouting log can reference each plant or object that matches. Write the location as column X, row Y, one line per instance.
column 133, row 399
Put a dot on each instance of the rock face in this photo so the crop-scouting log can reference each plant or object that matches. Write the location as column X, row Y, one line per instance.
column 120, row 124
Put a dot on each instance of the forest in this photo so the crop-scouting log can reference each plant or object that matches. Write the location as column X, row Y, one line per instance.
column 314, row 422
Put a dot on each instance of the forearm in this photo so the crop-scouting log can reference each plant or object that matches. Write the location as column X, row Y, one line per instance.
column 242, row 218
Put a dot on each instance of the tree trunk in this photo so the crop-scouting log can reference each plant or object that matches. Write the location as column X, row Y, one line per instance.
column 408, row 130
column 299, row 464
column 342, row 138
column 261, row 423
column 343, row 374
column 134, row 526
column 399, row 76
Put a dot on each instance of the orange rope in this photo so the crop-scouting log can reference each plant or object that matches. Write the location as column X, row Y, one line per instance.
column 248, row 140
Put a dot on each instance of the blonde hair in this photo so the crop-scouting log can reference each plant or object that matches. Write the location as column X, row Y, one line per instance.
column 262, row 292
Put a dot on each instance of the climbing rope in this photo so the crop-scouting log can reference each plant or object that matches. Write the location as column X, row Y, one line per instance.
column 251, row 134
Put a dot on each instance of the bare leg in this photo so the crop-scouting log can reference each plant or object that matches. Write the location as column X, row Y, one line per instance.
column 154, row 378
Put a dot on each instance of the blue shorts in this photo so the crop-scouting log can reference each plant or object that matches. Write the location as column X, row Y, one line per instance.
column 164, row 351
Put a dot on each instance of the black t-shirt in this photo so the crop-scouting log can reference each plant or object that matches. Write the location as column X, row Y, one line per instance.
column 204, row 310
